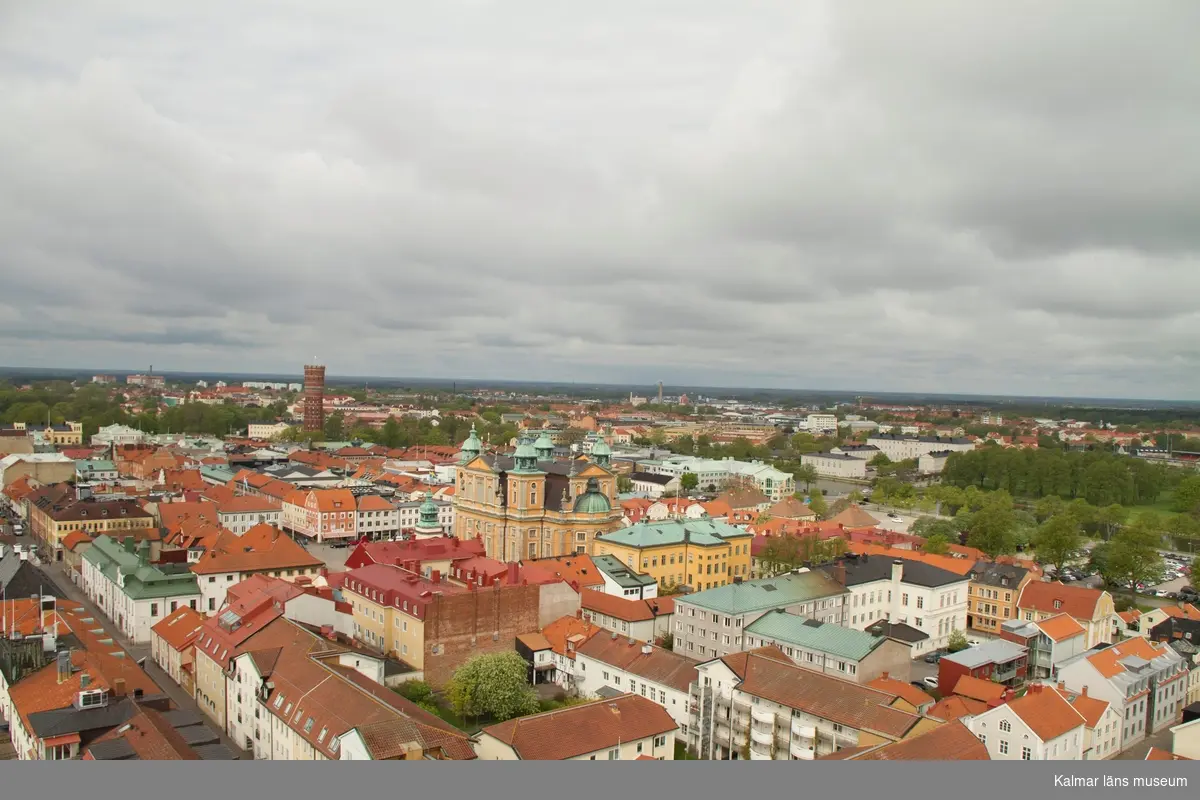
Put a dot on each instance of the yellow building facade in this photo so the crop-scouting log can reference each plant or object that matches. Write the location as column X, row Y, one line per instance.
column 702, row 554
column 531, row 505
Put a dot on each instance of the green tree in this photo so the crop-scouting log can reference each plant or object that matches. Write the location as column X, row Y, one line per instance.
column 938, row 544
column 1186, row 499
column 688, row 481
column 806, row 474
column 1048, row 507
column 1132, row 556
column 957, row 641
column 1110, row 518
column 991, row 530
column 1056, row 539
column 416, row 691
column 335, row 427
column 879, row 460
column 624, row 484
column 1195, row 577
column 492, row 685
column 390, row 435
column 816, row 502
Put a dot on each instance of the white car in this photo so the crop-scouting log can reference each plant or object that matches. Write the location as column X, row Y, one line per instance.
column 930, row 681
column 894, row 516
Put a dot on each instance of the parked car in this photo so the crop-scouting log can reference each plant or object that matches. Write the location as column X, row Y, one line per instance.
column 974, row 642
column 930, row 682
column 933, row 658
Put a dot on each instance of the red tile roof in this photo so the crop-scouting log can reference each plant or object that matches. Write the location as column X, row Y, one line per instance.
column 1061, row 627
column 1047, row 713
column 151, row 737
column 180, row 628
column 978, row 689
column 844, row 702
column 906, row 691
column 1055, row 597
column 579, row 730
column 651, row 663
column 956, row 707
column 1092, row 709
column 567, row 634
column 438, row 548
column 1108, row 661
column 625, row 609
column 950, row 742
column 172, row 514
column 262, row 548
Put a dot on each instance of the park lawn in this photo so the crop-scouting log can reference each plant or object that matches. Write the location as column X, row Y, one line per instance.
column 1162, row 505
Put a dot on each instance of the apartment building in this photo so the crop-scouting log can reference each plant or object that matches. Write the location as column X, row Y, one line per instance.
column 173, row 645
column 1049, row 642
column 904, row 448
column 992, row 595
column 758, row 705
column 53, row 512
column 712, row 623
column 241, row 513
column 1146, row 684
column 646, row 620
column 1041, row 725
column 133, row 592
column 1091, row 608
column 702, row 554
column 321, row 515
column 611, row 664
column 929, row 598
column 830, row 649
column 262, row 550
column 836, row 465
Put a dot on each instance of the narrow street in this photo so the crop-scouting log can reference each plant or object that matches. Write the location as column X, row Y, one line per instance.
column 182, row 699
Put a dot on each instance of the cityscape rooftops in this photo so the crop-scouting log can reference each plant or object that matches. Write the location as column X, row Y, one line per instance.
column 765, row 593
column 667, row 533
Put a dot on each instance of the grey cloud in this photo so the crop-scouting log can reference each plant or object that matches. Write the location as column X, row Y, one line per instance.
column 943, row 196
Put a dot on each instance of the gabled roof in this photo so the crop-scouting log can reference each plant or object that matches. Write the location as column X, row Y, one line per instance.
column 956, row 707
column 906, row 691
column 825, row 637
column 764, row 593
column 1055, row 597
column 625, row 609
column 571, row 631
column 791, row 507
column 1061, row 627
column 854, row 517
column 263, row 547
column 978, row 689
column 1047, row 713
column 582, row 729
column 950, row 742
column 1091, row 708
column 1108, row 661
column 179, row 628
column 777, row 679
column 658, row 665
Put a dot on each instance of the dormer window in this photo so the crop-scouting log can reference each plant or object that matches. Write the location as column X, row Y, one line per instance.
column 1058, row 603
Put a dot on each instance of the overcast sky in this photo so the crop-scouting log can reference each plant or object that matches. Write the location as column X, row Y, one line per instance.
column 915, row 196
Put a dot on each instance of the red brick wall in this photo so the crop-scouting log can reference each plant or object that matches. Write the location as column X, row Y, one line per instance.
column 482, row 621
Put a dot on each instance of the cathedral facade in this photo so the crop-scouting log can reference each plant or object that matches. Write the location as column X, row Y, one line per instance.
column 530, row 505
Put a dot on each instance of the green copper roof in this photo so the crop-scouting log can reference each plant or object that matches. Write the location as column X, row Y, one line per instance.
column 825, row 637
column 622, row 575
column 143, row 580
column 544, row 442
column 593, row 500
column 702, row 532
column 601, row 448
column 472, row 444
column 429, row 513
column 766, row 593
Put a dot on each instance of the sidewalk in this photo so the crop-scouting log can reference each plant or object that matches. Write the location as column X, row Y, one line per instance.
column 139, row 652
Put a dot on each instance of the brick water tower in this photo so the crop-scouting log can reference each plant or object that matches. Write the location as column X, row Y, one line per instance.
column 314, row 397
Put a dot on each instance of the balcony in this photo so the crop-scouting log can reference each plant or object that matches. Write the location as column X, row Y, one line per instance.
column 802, row 731
column 760, row 755
column 801, row 751
column 762, row 716
column 764, row 736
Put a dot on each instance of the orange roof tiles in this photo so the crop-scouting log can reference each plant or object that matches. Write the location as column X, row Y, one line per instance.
column 1061, row 627
column 1107, row 661
column 172, row 514
column 263, row 547
column 1158, row 754
column 246, row 504
column 1047, row 713
column 1090, row 708
column 1056, row 597
column 950, row 742
column 74, row 539
column 571, row 631
column 578, row 569
column 855, row 517
column 955, row 707
column 179, row 628
column 658, row 665
column 979, row 689
column 905, row 691
column 579, row 730
column 625, row 609
column 1182, row 611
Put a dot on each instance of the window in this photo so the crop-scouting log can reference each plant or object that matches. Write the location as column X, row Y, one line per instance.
column 1004, row 746
column 1026, row 754
column 154, row 609
column 614, row 755
column 904, row 599
column 639, row 747
column 920, row 602
column 1005, row 725
column 278, row 700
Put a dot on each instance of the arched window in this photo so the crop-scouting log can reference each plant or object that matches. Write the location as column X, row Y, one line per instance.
column 1005, row 726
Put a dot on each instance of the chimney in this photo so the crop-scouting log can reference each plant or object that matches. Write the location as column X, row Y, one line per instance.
column 647, row 649
column 514, row 572
column 118, row 687
column 897, row 571
column 579, row 613
column 435, row 576
column 884, row 676
column 1084, row 692
column 1062, row 686
column 839, row 573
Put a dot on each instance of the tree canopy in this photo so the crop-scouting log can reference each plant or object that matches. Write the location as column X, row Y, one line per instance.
column 492, row 685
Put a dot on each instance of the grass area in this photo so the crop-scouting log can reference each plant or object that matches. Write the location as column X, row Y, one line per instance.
column 681, row 752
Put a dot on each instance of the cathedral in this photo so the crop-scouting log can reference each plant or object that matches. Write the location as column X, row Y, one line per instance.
column 530, row 505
